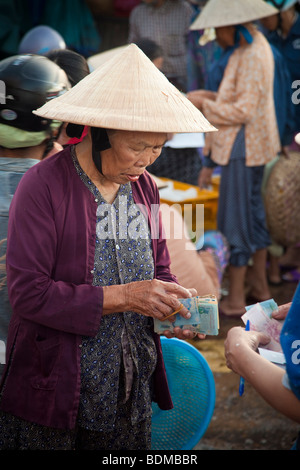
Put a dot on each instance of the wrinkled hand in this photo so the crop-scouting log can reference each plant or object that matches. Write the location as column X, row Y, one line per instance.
column 239, row 343
column 183, row 334
column 159, row 299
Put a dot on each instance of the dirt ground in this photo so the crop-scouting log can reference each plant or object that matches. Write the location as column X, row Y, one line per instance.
column 247, row 422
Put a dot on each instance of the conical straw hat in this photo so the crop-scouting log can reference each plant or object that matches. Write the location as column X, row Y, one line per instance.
column 99, row 59
column 127, row 92
column 217, row 13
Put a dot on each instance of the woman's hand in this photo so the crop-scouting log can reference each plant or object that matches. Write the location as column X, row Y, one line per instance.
column 183, row 334
column 159, row 299
column 197, row 97
column 205, row 177
column 282, row 311
column 156, row 299
column 239, row 344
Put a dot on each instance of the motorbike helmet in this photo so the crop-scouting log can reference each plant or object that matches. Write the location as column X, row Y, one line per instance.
column 29, row 81
column 41, row 40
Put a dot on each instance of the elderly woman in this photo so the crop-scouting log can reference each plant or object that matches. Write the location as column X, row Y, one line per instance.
column 88, row 269
column 244, row 112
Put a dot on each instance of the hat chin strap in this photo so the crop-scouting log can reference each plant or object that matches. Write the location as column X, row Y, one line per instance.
column 240, row 29
column 97, row 159
column 100, row 142
column 74, row 130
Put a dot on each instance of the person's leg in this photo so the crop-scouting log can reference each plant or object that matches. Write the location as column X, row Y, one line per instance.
column 257, row 272
column 274, row 271
column 235, row 222
column 257, row 276
column 291, row 257
column 234, row 303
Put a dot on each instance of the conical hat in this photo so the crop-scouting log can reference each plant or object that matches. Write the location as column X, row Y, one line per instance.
column 127, row 92
column 99, row 59
column 217, row 13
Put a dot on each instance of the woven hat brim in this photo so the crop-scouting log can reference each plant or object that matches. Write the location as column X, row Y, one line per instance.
column 127, row 92
column 218, row 13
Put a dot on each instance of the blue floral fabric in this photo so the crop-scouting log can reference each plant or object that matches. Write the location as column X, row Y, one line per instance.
column 117, row 364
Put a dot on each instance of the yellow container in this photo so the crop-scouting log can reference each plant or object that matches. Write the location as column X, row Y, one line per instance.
column 216, row 182
column 209, row 199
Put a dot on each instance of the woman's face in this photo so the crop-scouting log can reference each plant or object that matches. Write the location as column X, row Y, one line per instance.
column 225, row 36
column 130, row 153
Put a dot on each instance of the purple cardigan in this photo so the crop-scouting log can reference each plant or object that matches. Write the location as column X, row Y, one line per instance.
column 50, row 257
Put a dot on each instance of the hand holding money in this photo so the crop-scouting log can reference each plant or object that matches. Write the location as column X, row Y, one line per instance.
column 260, row 317
column 204, row 317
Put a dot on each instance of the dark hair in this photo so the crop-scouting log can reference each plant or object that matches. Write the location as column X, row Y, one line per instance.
column 74, row 64
column 150, row 48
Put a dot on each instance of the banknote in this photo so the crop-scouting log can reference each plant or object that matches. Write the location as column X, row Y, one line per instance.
column 268, row 306
column 260, row 317
column 204, row 316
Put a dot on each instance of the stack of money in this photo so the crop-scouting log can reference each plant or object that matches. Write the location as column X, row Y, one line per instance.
column 204, row 316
